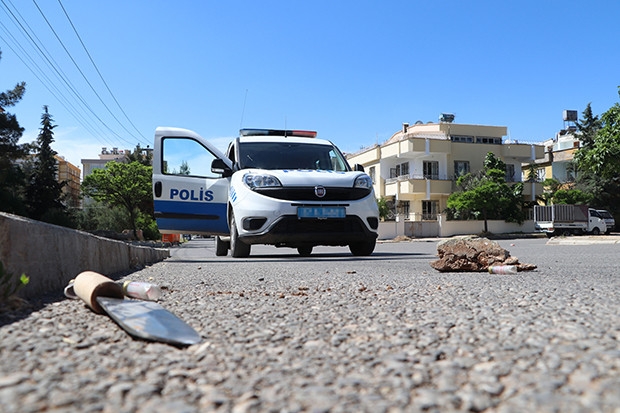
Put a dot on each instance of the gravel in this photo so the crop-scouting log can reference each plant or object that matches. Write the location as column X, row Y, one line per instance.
column 335, row 333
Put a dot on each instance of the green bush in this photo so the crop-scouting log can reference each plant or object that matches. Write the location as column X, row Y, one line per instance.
column 148, row 225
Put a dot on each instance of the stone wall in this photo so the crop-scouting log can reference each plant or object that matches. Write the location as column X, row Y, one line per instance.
column 51, row 255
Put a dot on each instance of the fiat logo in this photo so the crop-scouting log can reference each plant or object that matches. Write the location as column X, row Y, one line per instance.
column 319, row 191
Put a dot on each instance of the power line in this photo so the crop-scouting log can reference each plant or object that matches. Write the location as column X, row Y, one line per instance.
column 50, row 63
column 96, row 68
column 95, row 122
column 48, row 84
column 82, row 73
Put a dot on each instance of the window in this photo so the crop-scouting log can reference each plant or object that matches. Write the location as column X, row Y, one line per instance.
column 431, row 169
column 458, row 138
column 430, row 209
column 510, row 173
column 404, row 208
column 461, row 168
column 401, row 169
column 476, row 139
column 184, row 156
column 286, row 155
column 371, row 173
column 488, row 139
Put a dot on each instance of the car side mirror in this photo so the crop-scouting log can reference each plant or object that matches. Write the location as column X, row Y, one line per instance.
column 357, row 167
column 218, row 166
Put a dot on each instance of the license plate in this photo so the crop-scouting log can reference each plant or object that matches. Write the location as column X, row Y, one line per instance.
column 321, row 212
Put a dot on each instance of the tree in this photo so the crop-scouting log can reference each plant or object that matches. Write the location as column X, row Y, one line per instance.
column 184, row 168
column 571, row 196
column 588, row 127
column 124, row 185
column 598, row 159
column 532, row 173
column 486, row 195
column 12, row 180
column 550, row 187
column 143, row 156
column 602, row 155
column 44, row 192
column 384, row 209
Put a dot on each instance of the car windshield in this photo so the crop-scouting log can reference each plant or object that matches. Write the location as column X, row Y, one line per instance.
column 605, row 214
column 290, row 155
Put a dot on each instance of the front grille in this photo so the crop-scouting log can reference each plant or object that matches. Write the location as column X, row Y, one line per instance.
column 293, row 232
column 292, row 225
column 306, row 193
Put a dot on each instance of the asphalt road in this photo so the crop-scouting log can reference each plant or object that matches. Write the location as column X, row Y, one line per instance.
column 336, row 333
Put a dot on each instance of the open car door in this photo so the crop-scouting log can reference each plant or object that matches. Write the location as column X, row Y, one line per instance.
column 188, row 197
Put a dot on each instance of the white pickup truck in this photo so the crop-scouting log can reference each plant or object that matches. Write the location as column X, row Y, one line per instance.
column 277, row 187
column 562, row 219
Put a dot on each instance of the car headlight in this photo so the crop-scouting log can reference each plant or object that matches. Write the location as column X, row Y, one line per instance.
column 363, row 181
column 261, row 181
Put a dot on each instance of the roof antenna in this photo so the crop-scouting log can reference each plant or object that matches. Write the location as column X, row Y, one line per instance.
column 243, row 110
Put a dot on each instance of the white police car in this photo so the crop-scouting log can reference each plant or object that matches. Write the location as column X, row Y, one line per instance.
column 277, row 187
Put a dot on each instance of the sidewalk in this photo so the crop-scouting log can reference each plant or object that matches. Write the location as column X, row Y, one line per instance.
column 585, row 240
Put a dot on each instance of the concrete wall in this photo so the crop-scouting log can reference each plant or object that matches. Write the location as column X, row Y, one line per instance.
column 391, row 229
column 450, row 228
column 444, row 228
column 51, row 255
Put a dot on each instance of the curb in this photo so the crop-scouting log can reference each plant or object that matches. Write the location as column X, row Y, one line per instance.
column 51, row 255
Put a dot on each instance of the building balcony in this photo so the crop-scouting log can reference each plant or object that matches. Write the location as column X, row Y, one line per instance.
column 418, row 185
column 531, row 190
column 426, row 186
column 522, row 152
column 415, row 147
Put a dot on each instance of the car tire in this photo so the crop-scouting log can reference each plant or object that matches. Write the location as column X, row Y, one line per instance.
column 238, row 248
column 360, row 249
column 221, row 247
column 304, row 251
column 596, row 231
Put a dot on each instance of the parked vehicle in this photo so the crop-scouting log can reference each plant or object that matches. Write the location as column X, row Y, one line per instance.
column 609, row 220
column 563, row 219
column 277, row 187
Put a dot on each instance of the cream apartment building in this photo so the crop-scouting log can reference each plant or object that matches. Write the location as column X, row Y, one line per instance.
column 70, row 174
column 89, row 165
column 558, row 159
column 417, row 168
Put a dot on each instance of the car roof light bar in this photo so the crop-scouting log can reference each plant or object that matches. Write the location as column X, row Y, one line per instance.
column 278, row 132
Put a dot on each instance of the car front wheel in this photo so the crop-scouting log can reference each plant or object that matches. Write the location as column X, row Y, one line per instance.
column 360, row 249
column 238, row 248
column 304, row 251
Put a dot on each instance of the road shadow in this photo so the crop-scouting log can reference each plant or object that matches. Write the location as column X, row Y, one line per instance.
column 315, row 257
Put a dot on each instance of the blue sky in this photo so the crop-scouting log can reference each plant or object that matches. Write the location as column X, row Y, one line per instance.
column 352, row 70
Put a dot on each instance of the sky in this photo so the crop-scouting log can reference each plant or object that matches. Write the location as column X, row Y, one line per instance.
column 111, row 72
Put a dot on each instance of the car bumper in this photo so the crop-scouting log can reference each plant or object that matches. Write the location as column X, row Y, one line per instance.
column 264, row 220
column 289, row 231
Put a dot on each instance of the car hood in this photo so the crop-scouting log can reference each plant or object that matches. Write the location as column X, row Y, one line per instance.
column 310, row 177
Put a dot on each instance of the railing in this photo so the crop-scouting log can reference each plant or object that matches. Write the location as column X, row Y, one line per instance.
column 417, row 177
column 412, row 216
